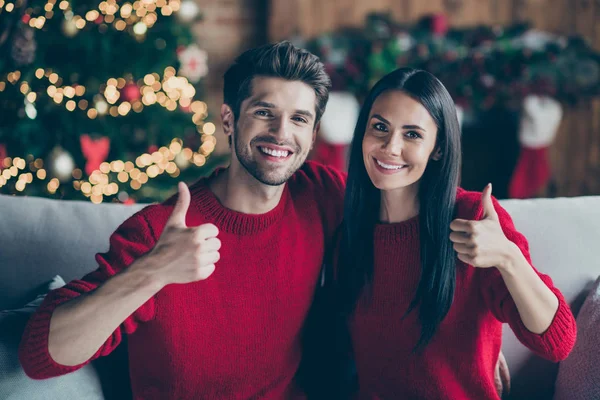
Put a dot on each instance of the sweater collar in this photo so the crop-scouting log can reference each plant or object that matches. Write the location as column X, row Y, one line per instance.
column 211, row 209
column 397, row 231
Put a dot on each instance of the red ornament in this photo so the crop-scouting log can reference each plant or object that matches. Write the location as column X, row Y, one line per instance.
column 26, row 18
column 131, row 93
column 2, row 155
column 153, row 148
column 94, row 151
column 438, row 24
column 129, row 201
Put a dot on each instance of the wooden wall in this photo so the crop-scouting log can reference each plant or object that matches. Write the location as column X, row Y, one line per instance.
column 575, row 155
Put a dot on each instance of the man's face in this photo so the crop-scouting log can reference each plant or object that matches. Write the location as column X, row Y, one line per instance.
column 275, row 129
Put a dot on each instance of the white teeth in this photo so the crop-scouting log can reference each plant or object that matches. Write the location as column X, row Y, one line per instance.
column 387, row 166
column 274, row 153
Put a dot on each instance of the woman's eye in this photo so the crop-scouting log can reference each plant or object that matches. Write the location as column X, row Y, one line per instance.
column 380, row 127
column 261, row 113
column 413, row 135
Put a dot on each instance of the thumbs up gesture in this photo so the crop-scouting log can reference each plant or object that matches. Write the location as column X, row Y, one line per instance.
column 183, row 254
column 481, row 243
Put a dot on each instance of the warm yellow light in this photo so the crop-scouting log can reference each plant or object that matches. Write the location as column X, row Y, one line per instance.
column 80, row 90
column 157, row 157
column 143, row 178
column 138, row 107
column 135, row 185
column 126, row 10
column 149, row 79
column 135, row 173
column 96, row 199
column 124, row 108
column 199, row 160
column 152, row 171
column 77, row 173
column 92, row 15
column 92, row 113
column 69, row 92
column 149, row 99
column 146, row 159
column 83, row 104
column 86, row 188
column 105, row 167
column 71, row 105
column 120, row 25
column 117, row 166
column 166, row 11
column 123, row 176
column 80, row 24
column 31, row 97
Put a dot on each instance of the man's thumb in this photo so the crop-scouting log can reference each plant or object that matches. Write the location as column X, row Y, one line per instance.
column 177, row 217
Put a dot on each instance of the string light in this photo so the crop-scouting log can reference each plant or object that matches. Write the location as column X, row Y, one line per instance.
column 109, row 178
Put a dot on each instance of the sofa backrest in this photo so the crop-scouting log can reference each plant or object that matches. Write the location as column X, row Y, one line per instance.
column 40, row 238
column 564, row 241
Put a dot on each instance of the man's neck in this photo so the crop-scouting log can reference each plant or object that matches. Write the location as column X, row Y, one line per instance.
column 239, row 191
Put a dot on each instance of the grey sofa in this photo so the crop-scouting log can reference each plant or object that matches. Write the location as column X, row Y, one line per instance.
column 42, row 238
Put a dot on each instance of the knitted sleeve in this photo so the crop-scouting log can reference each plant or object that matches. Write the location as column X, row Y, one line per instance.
column 130, row 241
column 330, row 185
column 558, row 340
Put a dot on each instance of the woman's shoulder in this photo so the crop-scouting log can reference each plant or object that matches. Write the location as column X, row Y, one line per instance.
column 468, row 204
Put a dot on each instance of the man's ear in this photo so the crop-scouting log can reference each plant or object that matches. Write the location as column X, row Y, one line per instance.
column 314, row 135
column 227, row 119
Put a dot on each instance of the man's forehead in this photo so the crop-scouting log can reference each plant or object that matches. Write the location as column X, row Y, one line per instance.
column 281, row 93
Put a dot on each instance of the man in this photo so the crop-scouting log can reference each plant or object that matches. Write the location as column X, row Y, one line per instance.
column 213, row 286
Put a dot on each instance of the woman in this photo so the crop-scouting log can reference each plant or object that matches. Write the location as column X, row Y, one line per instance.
column 428, row 272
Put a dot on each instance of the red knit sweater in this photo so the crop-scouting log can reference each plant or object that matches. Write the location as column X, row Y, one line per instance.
column 459, row 362
column 235, row 335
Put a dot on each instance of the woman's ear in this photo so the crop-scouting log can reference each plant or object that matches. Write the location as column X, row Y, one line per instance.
column 436, row 155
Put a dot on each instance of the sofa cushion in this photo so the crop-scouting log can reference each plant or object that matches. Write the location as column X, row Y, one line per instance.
column 15, row 385
column 579, row 375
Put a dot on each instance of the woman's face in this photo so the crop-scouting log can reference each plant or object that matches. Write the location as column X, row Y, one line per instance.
column 399, row 141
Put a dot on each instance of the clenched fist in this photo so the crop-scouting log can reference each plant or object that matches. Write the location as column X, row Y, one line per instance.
column 184, row 254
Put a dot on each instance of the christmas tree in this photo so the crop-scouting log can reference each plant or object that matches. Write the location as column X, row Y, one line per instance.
column 101, row 100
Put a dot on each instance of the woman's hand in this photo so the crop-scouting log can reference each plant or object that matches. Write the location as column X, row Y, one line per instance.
column 482, row 243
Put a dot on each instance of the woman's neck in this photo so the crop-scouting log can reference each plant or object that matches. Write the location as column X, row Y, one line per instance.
column 399, row 205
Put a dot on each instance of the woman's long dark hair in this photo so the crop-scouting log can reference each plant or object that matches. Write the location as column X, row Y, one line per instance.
column 437, row 195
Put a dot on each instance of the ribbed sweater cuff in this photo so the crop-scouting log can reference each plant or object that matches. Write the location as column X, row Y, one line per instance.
column 558, row 340
column 33, row 350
